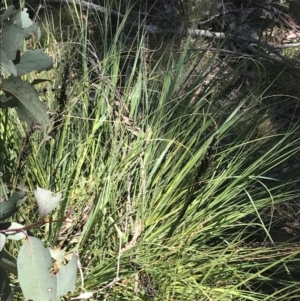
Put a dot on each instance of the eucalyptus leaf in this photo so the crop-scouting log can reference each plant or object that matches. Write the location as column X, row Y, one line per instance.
column 14, row 231
column 35, row 260
column 9, row 207
column 22, row 18
column 46, row 200
column 13, row 37
column 58, row 255
column 66, row 277
column 29, row 107
column 7, row 65
column 34, row 60
column 7, row 13
column 8, row 262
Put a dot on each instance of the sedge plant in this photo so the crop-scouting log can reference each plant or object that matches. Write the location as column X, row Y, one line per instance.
column 165, row 173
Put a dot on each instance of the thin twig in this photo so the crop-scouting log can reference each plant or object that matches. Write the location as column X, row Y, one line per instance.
column 286, row 45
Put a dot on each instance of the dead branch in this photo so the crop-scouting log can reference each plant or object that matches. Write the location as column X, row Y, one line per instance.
column 206, row 33
column 150, row 29
column 91, row 6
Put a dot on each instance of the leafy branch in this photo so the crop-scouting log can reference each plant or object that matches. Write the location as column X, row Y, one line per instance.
column 46, row 281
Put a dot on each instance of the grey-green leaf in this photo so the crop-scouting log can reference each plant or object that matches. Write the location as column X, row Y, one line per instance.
column 7, row 65
column 34, row 60
column 35, row 260
column 9, row 207
column 66, row 277
column 13, row 37
column 14, row 231
column 47, row 200
column 8, row 262
column 29, row 107
column 7, row 13
column 58, row 255
column 23, row 20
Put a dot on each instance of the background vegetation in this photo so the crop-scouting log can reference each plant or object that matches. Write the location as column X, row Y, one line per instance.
column 176, row 155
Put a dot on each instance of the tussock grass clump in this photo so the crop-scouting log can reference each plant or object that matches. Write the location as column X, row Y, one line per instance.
column 168, row 176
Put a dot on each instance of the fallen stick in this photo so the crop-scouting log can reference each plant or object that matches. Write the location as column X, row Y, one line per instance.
column 150, row 29
column 91, row 5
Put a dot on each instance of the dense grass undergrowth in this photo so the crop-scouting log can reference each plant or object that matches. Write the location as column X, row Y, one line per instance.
column 170, row 166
